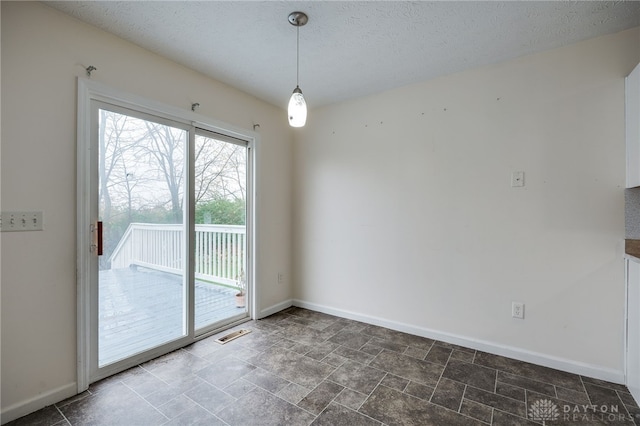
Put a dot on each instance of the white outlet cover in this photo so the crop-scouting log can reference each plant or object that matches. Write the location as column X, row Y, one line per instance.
column 517, row 310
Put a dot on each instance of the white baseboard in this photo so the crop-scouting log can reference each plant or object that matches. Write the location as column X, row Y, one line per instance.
column 575, row 367
column 275, row 308
column 23, row 408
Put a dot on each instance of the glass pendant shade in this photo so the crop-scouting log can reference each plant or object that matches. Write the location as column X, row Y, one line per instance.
column 297, row 109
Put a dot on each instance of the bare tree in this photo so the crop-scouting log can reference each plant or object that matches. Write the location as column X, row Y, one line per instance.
column 166, row 146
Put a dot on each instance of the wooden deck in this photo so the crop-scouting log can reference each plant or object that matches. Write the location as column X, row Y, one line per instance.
column 141, row 308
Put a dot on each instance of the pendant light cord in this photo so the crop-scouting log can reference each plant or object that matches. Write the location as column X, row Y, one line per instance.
column 298, row 57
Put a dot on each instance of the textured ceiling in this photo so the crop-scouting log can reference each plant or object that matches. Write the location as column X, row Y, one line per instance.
column 349, row 48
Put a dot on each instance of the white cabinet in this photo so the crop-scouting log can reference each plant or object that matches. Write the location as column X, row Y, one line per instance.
column 633, row 328
column 632, row 127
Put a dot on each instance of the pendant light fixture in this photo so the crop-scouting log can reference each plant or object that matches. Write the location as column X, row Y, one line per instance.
column 297, row 110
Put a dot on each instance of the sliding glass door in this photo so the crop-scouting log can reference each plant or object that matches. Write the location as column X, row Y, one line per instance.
column 168, row 208
column 220, row 192
column 142, row 281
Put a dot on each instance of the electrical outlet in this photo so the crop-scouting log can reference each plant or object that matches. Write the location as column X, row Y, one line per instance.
column 21, row 221
column 280, row 278
column 517, row 310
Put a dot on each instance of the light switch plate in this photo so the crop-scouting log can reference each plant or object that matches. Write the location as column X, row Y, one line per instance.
column 21, row 221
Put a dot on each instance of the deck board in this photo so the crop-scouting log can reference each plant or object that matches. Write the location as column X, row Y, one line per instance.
column 141, row 308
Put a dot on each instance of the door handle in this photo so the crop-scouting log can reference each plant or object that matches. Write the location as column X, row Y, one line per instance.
column 99, row 229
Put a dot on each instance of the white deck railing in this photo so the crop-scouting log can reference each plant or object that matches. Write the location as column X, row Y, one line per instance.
column 219, row 250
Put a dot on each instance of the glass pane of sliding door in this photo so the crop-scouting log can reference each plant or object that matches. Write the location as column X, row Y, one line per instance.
column 220, row 192
column 142, row 284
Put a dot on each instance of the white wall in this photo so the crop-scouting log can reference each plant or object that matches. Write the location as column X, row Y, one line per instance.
column 43, row 51
column 404, row 214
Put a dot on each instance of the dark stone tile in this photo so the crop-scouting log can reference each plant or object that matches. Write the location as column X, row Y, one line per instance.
column 266, row 380
column 398, row 337
column 165, row 394
column 105, row 384
column 243, row 353
column 337, row 415
column 395, row 382
column 350, row 398
column 496, row 401
column 371, row 349
column 419, row 391
column 455, row 347
column 350, row 339
column 602, row 396
column 471, row 374
column 356, row 326
column 297, row 320
column 300, row 348
column 259, row 407
column 145, row 383
column 356, row 376
column 301, row 334
column 311, row 315
column 272, row 320
column 627, row 399
column 334, row 360
column 477, row 411
column 448, row 394
column 287, row 344
column 463, row 355
column 604, row 384
column 359, row 356
column 531, row 371
column 293, row 393
column 195, row 416
column 417, row 370
column 225, row 351
column 47, row 416
column 178, row 405
column 396, row 408
column 321, row 350
column 510, row 391
column 178, row 364
column 501, row 418
column 114, row 405
column 293, row 367
column 389, row 345
column 572, row 396
column 210, row 397
column 438, row 355
column 334, row 327
column 318, row 399
column 225, row 371
column 239, row 388
column 202, row 347
column 634, row 412
column 415, row 352
column 529, row 384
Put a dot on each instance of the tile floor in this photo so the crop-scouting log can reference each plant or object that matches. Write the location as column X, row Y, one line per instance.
column 301, row 367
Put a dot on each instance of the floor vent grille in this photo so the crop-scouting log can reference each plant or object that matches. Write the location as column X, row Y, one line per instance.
column 233, row 335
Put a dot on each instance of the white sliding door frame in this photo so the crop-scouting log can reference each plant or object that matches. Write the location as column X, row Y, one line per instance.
column 88, row 92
